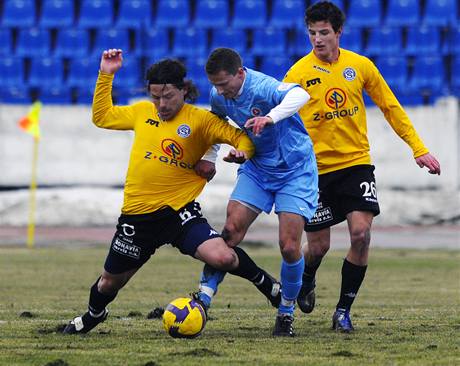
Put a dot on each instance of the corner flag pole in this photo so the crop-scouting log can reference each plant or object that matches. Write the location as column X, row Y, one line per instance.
column 30, row 124
column 32, row 197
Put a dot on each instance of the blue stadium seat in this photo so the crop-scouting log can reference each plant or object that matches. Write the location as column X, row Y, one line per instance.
column 197, row 73
column 384, row 41
column 351, row 39
column 172, row 13
column 402, row 13
column 300, row 44
column 122, row 95
column 45, row 72
column 134, row 14
column 55, row 95
column 111, row 38
column 269, row 42
column 6, row 43
column 72, row 42
column 195, row 69
column 428, row 75
column 14, row 95
column 211, row 14
column 364, row 13
column 455, row 74
column 231, row 38
column 287, row 14
column 339, row 3
column 33, row 42
column 83, row 72
column 96, row 14
column 11, row 72
column 395, row 72
column 155, row 43
column 423, row 41
column 129, row 76
column 453, row 41
column 275, row 66
column 440, row 13
column 57, row 14
column 18, row 13
column 190, row 42
column 249, row 14
column 84, row 95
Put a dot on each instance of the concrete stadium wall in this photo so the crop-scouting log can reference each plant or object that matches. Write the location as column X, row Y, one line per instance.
column 73, row 151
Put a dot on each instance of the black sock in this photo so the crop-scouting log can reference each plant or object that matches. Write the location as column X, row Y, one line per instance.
column 352, row 277
column 246, row 268
column 309, row 271
column 98, row 301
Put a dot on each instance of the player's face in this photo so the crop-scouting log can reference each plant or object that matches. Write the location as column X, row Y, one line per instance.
column 324, row 40
column 227, row 85
column 167, row 99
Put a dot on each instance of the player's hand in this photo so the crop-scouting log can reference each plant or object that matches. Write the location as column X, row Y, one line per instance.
column 236, row 156
column 111, row 60
column 205, row 169
column 257, row 124
column 430, row 162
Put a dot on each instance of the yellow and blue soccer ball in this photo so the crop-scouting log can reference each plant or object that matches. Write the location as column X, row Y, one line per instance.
column 184, row 318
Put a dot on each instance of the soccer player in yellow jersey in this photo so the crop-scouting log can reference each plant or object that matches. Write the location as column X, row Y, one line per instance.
column 170, row 137
column 335, row 118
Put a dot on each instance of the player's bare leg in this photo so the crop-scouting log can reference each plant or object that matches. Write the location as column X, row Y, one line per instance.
column 103, row 292
column 353, row 268
column 290, row 232
column 318, row 244
column 239, row 218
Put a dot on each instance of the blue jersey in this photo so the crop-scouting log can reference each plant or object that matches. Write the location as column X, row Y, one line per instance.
column 283, row 150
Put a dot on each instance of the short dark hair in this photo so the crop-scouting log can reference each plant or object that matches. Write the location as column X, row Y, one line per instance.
column 223, row 59
column 171, row 71
column 325, row 11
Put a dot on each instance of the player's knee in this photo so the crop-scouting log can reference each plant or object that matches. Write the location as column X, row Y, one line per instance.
column 232, row 234
column 109, row 285
column 290, row 251
column 227, row 260
column 360, row 238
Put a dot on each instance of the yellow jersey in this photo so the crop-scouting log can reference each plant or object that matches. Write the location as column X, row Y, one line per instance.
column 335, row 115
column 163, row 153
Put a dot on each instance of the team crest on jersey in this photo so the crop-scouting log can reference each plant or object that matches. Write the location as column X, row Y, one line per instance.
column 184, row 131
column 335, row 98
column 255, row 111
column 349, row 74
column 172, row 149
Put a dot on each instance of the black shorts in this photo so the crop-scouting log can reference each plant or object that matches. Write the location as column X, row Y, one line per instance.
column 344, row 191
column 138, row 236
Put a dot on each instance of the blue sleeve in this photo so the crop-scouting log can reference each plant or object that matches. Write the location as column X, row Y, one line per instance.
column 274, row 90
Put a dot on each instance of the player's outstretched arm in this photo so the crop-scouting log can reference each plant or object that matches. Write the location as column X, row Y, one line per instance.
column 236, row 156
column 111, row 61
column 429, row 161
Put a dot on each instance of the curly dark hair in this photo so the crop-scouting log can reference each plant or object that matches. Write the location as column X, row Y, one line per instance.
column 171, row 71
column 223, row 59
column 325, row 11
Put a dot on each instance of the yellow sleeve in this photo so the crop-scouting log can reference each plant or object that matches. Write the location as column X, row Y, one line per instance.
column 220, row 131
column 383, row 97
column 105, row 114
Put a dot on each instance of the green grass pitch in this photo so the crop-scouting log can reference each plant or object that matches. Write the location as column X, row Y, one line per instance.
column 407, row 312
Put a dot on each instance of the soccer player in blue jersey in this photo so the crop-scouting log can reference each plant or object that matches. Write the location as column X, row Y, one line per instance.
column 282, row 172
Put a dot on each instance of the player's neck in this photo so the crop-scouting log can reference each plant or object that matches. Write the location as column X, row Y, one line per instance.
column 329, row 58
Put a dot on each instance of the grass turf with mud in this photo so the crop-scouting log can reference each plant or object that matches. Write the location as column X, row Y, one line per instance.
column 406, row 313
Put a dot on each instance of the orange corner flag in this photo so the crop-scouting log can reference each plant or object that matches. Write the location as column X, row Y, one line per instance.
column 31, row 122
